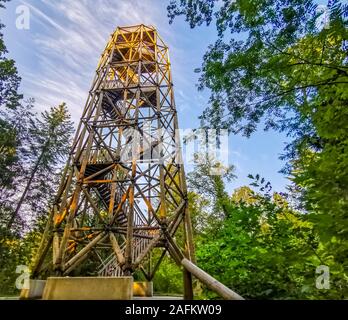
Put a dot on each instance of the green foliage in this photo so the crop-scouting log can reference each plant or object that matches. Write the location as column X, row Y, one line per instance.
column 9, row 78
column 168, row 278
column 8, row 156
column 14, row 141
column 199, row 207
column 9, row 100
column 40, row 146
column 15, row 251
column 264, row 249
column 275, row 67
column 323, row 176
column 49, row 148
column 51, row 135
column 279, row 65
column 209, row 184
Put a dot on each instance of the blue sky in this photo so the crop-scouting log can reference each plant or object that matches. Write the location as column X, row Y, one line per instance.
column 57, row 57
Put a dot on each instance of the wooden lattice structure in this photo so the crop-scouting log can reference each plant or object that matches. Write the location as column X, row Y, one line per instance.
column 123, row 191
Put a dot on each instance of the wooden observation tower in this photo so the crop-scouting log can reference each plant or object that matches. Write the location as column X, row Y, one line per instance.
column 123, row 192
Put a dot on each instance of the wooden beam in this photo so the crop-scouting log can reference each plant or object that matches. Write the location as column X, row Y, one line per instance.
column 210, row 282
column 188, row 287
column 44, row 244
column 118, row 252
column 86, row 249
column 150, row 246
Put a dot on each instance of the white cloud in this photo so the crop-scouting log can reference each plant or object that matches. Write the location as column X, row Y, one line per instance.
column 39, row 15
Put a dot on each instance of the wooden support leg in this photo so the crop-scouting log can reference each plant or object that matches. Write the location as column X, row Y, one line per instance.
column 44, row 246
column 210, row 282
column 40, row 258
column 188, row 288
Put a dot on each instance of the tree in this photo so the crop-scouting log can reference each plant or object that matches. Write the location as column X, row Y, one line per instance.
column 282, row 67
column 264, row 74
column 9, row 100
column 323, row 179
column 13, row 169
column 41, row 145
column 14, row 141
column 31, row 150
column 8, row 155
column 9, row 78
column 265, row 249
column 211, row 186
column 49, row 146
column 15, row 251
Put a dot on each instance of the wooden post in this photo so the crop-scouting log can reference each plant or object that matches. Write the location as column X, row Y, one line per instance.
column 130, row 222
column 210, row 282
column 55, row 247
column 44, row 245
column 150, row 246
column 188, row 288
column 117, row 249
column 188, row 285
